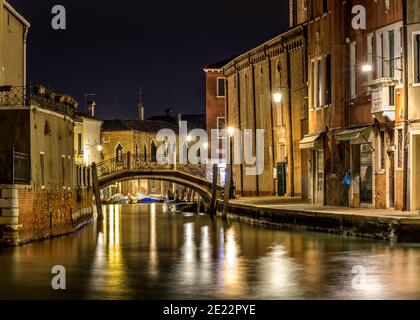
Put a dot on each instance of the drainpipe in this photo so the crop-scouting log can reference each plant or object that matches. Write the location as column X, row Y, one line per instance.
column 238, row 85
column 25, row 37
column 406, row 205
column 257, row 178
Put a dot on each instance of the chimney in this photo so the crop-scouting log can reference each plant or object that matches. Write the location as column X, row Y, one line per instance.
column 91, row 106
column 141, row 111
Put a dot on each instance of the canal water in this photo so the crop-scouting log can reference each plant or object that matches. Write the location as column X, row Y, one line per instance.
column 141, row 252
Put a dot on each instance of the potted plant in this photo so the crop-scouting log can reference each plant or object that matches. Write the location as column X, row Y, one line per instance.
column 39, row 89
column 5, row 88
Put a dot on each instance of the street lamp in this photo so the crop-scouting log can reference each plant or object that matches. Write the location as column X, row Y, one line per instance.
column 231, row 132
column 189, row 138
column 277, row 97
column 98, row 147
column 367, row 68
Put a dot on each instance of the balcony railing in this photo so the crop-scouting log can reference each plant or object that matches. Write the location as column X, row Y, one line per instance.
column 14, row 97
column 15, row 167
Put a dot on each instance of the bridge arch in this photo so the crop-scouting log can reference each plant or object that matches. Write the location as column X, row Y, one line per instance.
column 204, row 189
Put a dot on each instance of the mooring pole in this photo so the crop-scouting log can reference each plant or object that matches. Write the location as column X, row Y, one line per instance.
column 214, row 189
column 97, row 192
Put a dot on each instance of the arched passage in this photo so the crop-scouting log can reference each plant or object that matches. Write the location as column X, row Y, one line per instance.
column 200, row 186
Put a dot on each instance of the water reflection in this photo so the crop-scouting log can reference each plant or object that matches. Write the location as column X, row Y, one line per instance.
column 141, row 252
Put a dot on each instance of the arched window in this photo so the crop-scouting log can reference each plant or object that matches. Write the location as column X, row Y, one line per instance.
column 119, row 150
column 145, row 153
column 153, row 151
column 137, row 151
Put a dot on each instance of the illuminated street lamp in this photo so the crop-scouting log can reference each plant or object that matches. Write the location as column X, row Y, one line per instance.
column 231, row 131
column 277, row 97
column 367, row 68
column 189, row 138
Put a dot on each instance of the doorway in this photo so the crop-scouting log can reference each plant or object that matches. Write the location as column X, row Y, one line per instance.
column 415, row 176
column 391, row 180
column 319, row 177
column 366, row 175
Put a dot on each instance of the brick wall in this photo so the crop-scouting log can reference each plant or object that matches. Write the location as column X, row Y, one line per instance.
column 41, row 214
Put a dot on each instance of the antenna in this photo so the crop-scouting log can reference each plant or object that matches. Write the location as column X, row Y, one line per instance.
column 141, row 94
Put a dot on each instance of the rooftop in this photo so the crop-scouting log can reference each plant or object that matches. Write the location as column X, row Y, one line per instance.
column 149, row 126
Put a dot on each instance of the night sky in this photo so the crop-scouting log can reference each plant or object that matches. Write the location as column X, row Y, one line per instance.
column 113, row 48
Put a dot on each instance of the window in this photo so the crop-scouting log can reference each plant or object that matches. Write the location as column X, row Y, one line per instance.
column 153, row 151
column 325, row 5
column 328, row 85
column 294, row 21
column 145, row 153
column 42, row 164
column 221, row 127
column 84, row 177
column 391, row 94
column 313, row 85
column 382, row 150
column 382, row 56
column 88, row 177
column 319, row 83
column 278, row 75
column 63, row 170
column 391, row 53
column 370, row 54
column 400, row 146
column 417, row 58
column 137, row 151
column 221, row 87
column 119, row 152
column 79, row 143
column 353, row 69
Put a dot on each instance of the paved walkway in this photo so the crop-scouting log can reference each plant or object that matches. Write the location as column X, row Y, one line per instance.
column 298, row 205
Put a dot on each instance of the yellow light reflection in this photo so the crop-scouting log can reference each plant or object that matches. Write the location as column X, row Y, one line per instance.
column 153, row 254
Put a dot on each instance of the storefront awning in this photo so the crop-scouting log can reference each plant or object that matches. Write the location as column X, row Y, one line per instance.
column 351, row 134
column 310, row 142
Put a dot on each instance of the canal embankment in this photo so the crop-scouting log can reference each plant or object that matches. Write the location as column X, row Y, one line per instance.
column 28, row 215
column 294, row 214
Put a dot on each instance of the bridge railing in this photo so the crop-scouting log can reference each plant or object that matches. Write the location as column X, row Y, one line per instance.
column 128, row 162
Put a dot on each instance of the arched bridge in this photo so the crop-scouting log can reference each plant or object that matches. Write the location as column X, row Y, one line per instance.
column 201, row 178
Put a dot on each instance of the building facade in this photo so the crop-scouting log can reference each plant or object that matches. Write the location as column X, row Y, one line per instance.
column 39, row 194
column 139, row 139
column 266, row 89
column 13, row 34
column 216, row 107
column 87, row 139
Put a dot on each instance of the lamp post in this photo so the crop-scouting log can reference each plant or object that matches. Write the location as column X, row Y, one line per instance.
column 88, row 148
column 278, row 98
column 231, row 132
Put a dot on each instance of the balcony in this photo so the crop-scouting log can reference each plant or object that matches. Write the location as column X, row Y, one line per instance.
column 18, row 97
column 383, row 98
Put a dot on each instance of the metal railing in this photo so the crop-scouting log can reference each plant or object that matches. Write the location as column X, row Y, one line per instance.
column 128, row 162
column 13, row 97
column 15, row 167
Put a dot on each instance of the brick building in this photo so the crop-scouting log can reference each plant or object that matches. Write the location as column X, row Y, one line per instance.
column 266, row 89
column 216, row 106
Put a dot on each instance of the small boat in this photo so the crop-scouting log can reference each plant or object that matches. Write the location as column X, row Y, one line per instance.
column 118, row 199
column 142, row 198
column 181, row 206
